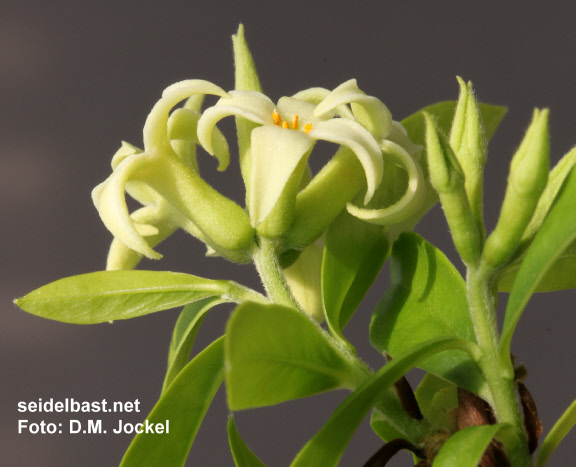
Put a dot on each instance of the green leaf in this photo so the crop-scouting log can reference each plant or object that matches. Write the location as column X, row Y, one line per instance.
column 557, row 232
column 328, row 445
column 383, row 428
column 438, row 400
column 183, row 406
column 112, row 295
column 466, row 447
column 275, row 354
column 243, row 456
column 558, row 432
column 560, row 276
column 444, row 114
column 354, row 253
column 184, row 335
column 427, row 300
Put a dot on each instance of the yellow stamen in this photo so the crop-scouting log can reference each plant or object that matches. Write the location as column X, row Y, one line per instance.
column 285, row 125
column 295, row 122
column 276, row 117
column 307, row 127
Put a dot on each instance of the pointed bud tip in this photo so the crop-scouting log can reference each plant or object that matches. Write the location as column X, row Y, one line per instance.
column 461, row 83
column 240, row 33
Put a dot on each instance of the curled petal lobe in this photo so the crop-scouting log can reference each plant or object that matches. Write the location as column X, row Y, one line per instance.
column 399, row 136
column 183, row 125
column 250, row 105
column 125, row 150
column 354, row 136
column 109, row 199
column 368, row 110
column 409, row 203
column 156, row 126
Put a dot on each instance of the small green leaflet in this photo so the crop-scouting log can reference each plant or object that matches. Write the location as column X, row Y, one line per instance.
column 243, row 456
column 275, row 353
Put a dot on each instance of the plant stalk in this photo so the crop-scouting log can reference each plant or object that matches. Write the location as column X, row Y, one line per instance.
column 268, row 267
column 499, row 372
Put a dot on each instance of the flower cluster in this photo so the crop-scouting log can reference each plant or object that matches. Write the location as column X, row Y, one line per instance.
column 164, row 176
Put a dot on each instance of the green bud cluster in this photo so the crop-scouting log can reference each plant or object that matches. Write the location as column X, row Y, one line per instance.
column 456, row 165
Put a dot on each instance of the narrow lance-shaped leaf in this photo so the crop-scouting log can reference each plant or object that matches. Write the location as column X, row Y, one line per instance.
column 243, row 456
column 112, row 295
column 466, row 447
column 560, row 276
column 558, row 432
column 181, row 408
column 557, row 232
column 328, row 445
column 184, row 335
column 275, row 354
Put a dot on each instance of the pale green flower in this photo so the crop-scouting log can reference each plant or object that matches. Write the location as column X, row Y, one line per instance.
column 158, row 177
column 164, row 177
column 288, row 132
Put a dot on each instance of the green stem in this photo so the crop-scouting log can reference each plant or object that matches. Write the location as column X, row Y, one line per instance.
column 499, row 372
column 267, row 265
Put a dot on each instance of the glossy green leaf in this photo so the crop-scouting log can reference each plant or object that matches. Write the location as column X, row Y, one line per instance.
column 560, row 276
column 328, row 445
column 184, row 335
column 558, row 432
column 182, row 407
column 438, row 401
column 275, row 354
column 427, row 300
column 557, row 232
column 354, row 253
column 466, row 447
column 112, row 295
column 492, row 115
column 243, row 456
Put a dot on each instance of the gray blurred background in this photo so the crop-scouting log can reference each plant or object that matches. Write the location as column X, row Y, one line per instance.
column 78, row 77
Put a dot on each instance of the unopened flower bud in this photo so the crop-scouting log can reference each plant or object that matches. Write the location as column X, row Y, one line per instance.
column 526, row 181
column 467, row 138
column 447, row 178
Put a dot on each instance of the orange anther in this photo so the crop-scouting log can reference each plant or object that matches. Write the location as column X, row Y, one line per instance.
column 285, row 125
column 295, row 122
column 307, row 127
column 276, row 117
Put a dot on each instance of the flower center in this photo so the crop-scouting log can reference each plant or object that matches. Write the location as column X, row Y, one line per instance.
column 293, row 122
